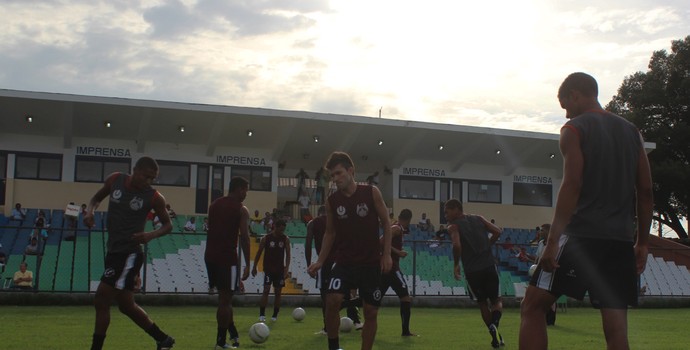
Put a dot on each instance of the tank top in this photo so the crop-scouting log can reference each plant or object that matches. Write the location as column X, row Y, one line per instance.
column 127, row 212
column 397, row 243
column 318, row 227
column 476, row 248
column 274, row 253
column 356, row 225
column 224, row 216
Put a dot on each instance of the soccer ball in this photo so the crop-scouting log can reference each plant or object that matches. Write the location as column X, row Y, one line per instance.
column 346, row 324
column 531, row 270
column 298, row 314
column 259, row 332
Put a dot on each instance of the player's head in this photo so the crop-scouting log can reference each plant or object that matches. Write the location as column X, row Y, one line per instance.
column 342, row 169
column 577, row 93
column 145, row 172
column 322, row 210
column 279, row 227
column 405, row 217
column 453, row 209
column 238, row 187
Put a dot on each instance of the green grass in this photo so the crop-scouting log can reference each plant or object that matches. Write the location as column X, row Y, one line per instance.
column 194, row 328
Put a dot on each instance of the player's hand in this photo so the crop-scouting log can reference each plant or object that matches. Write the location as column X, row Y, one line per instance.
column 548, row 260
column 88, row 220
column 137, row 284
column 456, row 272
column 402, row 253
column 254, row 272
column 285, row 272
column 386, row 263
column 314, row 268
column 641, row 252
column 142, row 237
column 245, row 274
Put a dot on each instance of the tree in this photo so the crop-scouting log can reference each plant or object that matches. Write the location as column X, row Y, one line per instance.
column 658, row 103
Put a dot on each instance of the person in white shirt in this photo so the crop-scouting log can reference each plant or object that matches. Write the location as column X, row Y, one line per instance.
column 190, row 226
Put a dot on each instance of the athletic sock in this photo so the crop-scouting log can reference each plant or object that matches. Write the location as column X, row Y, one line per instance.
column 275, row 311
column 333, row 344
column 233, row 331
column 496, row 317
column 156, row 333
column 220, row 337
column 98, row 340
column 405, row 312
column 262, row 311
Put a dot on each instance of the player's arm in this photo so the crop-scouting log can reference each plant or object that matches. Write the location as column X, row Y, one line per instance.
column 98, row 198
column 244, row 240
column 645, row 206
column 158, row 203
column 262, row 244
column 457, row 248
column 326, row 243
column 395, row 231
column 494, row 230
column 288, row 257
column 382, row 211
column 307, row 242
column 568, row 194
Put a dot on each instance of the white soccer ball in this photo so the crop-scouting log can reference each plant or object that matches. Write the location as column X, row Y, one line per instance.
column 346, row 324
column 259, row 332
column 531, row 270
column 298, row 314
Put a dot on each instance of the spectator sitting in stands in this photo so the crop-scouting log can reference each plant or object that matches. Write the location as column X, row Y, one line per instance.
column 23, row 279
column 190, row 226
column 256, row 217
column 3, row 260
column 171, row 213
column 32, row 248
column 268, row 222
column 83, row 209
column 18, row 213
column 430, row 229
column 205, row 226
column 41, row 226
column 422, row 223
column 442, row 233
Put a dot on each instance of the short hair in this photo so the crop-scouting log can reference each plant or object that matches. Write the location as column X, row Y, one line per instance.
column 280, row 222
column 546, row 226
column 454, row 204
column 581, row 82
column 339, row 158
column 237, row 182
column 146, row 163
column 405, row 214
column 23, row 263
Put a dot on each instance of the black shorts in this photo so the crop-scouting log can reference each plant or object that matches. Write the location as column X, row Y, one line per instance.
column 604, row 268
column 324, row 276
column 274, row 278
column 121, row 270
column 366, row 278
column 484, row 284
column 395, row 280
column 223, row 277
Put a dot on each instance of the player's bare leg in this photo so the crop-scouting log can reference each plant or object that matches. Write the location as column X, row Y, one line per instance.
column 615, row 322
column 370, row 326
column 105, row 294
column 333, row 302
column 263, row 302
column 276, row 302
column 533, row 309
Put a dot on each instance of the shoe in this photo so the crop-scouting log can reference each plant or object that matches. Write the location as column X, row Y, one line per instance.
column 359, row 326
column 262, row 318
column 321, row 332
column 494, row 339
column 274, row 318
column 226, row 346
column 235, row 343
column 500, row 340
column 166, row 344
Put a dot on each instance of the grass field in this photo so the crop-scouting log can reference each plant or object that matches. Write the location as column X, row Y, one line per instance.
column 71, row 327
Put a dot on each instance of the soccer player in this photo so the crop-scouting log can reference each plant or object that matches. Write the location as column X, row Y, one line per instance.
column 227, row 218
column 395, row 279
column 131, row 199
column 276, row 266
column 472, row 245
column 316, row 228
column 353, row 213
column 605, row 200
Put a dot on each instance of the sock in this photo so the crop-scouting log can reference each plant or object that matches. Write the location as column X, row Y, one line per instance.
column 405, row 312
column 496, row 317
column 333, row 344
column 275, row 311
column 98, row 340
column 156, row 333
column 233, row 331
column 262, row 311
column 220, row 337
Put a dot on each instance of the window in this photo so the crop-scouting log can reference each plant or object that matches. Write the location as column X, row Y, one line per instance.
column 532, row 194
column 38, row 166
column 259, row 178
column 97, row 169
column 417, row 188
column 3, row 175
column 484, row 191
column 173, row 173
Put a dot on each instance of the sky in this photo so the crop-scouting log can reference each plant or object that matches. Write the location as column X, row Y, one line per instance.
column 484, row 63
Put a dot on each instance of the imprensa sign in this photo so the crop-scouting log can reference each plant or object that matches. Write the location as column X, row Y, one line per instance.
column 103, row 151
column 430, row 172
column 533, row 179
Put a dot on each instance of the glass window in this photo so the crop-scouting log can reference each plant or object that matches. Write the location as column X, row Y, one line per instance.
column 417, row 188
column 532, row 194
column 259, row 178
column 3, row 166
column 173, row 173
column 484, row 191
column 38, row 166
column 97, row 169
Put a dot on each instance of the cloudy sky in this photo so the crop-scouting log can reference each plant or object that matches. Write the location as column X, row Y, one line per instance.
column 495, row 63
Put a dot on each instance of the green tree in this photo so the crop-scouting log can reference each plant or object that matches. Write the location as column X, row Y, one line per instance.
column 658, row 103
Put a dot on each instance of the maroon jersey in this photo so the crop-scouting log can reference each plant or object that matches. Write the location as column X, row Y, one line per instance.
column 318, row 227
column 397, row 243
column 274, row 253
column 224, row 216
column 356, row 225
